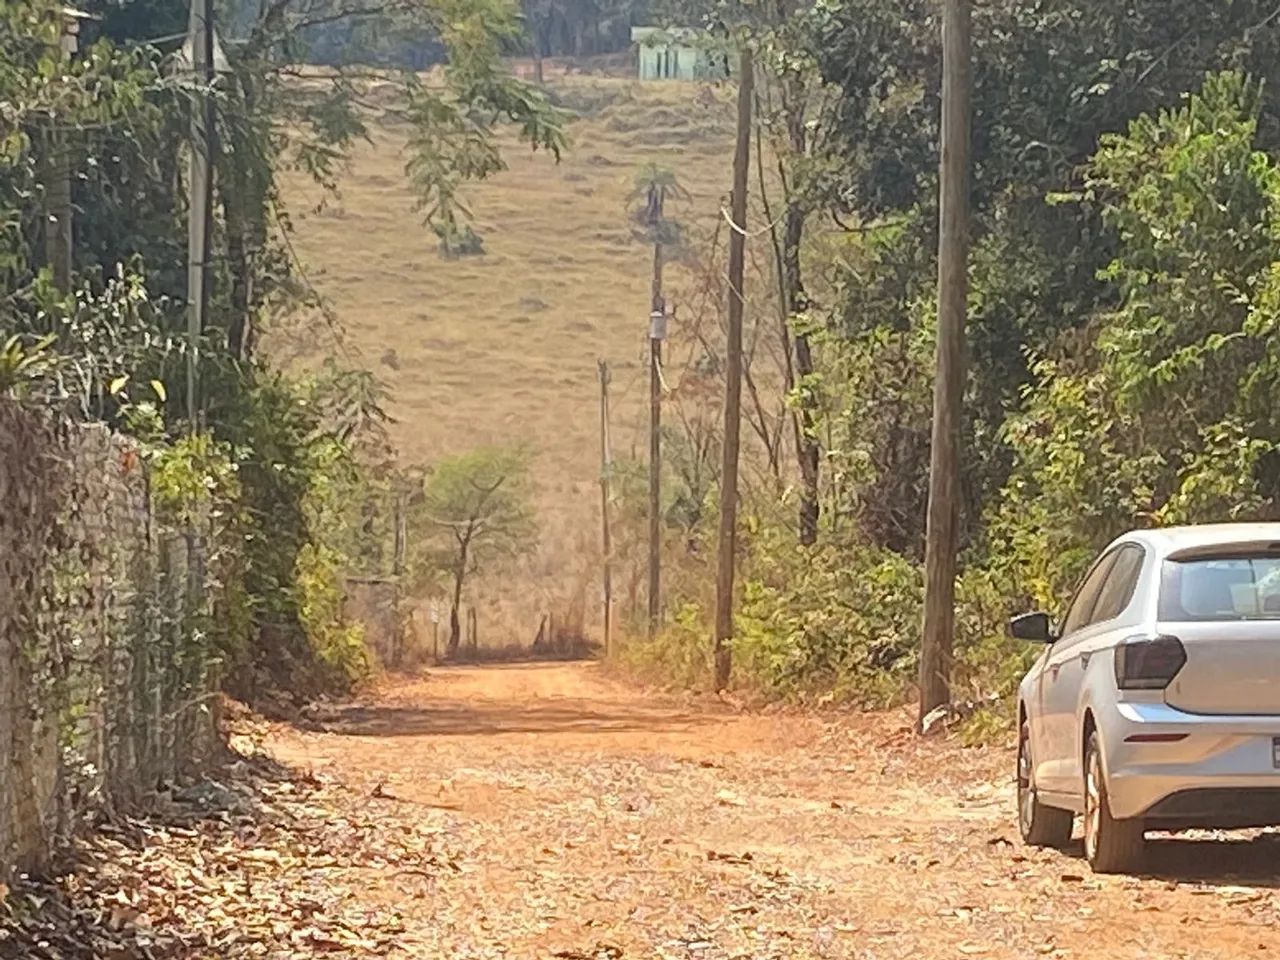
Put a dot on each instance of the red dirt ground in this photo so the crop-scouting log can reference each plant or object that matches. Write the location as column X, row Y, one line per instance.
column 585, row 819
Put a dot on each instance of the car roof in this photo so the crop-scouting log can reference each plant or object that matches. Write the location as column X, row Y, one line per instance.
column 1168, row 540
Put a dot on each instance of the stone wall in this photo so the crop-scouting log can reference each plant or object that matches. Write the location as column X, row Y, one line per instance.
column 105, row 678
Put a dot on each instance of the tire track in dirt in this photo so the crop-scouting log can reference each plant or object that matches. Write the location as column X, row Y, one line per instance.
column 590, row 820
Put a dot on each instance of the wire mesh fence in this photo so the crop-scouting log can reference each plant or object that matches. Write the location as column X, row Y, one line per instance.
column 106, row 675
column 375, row 604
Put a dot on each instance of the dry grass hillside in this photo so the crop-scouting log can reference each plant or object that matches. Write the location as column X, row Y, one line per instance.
column 501, row 349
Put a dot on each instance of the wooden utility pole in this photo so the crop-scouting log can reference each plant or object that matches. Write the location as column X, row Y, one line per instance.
column 606, row 537
column 942, row 537
column 728, row 540
column 59, row 215
column 200, row 214
column 657, row 333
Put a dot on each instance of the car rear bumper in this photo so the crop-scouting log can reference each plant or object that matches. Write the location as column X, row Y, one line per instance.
column 1183, row 770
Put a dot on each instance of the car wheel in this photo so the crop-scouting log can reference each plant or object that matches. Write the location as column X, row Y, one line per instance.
column 1039, row 825
column 1110, row 845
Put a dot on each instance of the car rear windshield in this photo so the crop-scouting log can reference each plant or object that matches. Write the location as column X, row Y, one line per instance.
column 1244, row 587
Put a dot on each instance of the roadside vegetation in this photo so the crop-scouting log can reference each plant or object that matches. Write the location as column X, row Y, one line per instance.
column 294, row 472
column 1123, row 300
column 1124, row 290
column 1124, row 248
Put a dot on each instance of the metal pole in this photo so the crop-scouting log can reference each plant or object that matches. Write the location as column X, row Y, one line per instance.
column 942, row 535
column 200, row 30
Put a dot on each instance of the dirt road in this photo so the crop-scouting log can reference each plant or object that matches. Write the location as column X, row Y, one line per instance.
column 585, row 820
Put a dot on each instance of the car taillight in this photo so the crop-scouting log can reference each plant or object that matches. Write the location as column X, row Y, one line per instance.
column 1149, row 664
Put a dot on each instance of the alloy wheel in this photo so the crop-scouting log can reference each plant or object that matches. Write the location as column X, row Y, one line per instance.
column 1092, row 804
column 1026, row 792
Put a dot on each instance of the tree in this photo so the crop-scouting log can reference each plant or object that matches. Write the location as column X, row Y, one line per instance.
column 1165, row 413
column 104, row 349
column 790, row 113
column 579, row 28
column 478, row 505
column 727, row 543
column 792, row 109
column 1036, row 266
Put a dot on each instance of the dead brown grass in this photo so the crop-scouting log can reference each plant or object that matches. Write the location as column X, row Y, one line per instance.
column 502, row 348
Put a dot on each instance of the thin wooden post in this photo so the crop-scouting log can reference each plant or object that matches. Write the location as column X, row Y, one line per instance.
column 397, row 569
column 728, row 538
column 606, row 537
column 657, row 333
column 942, row 535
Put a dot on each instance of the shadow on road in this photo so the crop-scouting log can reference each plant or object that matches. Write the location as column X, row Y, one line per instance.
column 478, row 719
column 1252, row 860
column 1223, row 860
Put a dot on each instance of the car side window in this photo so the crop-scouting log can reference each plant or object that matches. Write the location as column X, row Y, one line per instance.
column 1080, row 613
column 1121, row 582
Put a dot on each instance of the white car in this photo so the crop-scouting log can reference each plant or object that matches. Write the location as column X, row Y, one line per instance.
column 1156, row 704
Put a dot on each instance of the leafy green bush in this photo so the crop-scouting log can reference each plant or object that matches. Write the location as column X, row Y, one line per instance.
column 303, row 494
column 459, row 242
column 195, row 485
column 1167, row 414
column 988, row 662
column 841, row 619
column 680, row 654
column 337, row 644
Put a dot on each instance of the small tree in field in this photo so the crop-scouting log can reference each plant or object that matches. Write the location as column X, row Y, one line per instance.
column 478, row 505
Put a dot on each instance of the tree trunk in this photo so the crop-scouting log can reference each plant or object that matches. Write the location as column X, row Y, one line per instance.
column 728, row 534
column 541, row 49
column 941, row 538
column 233, row 190
column 455, row 627
column 58, row 217
column 795, row 97
column 807, row 451
column 242, row 193
column 794, row 300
